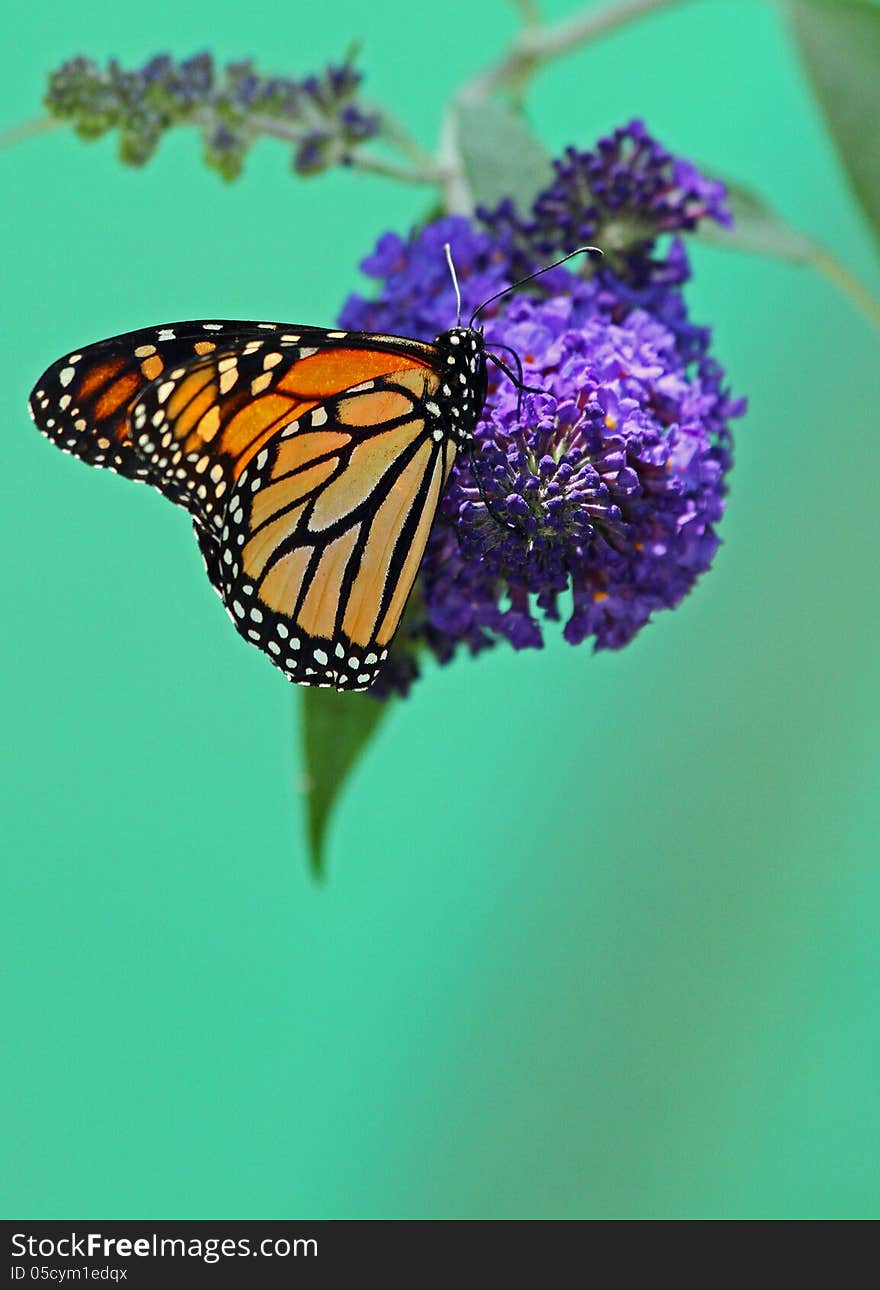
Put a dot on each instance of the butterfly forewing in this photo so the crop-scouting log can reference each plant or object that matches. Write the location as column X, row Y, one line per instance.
column 202, row 422
column 83, row 402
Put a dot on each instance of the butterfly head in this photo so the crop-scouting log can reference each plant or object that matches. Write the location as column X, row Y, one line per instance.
column 462, row 391
column 463, row 355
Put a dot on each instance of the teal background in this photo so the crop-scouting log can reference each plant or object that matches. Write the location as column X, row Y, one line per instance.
column 600, row 933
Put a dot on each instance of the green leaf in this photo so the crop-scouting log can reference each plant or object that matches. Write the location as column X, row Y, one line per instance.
column 759, row 230
column 336, row 730
column 500, row 156
column 839, row 45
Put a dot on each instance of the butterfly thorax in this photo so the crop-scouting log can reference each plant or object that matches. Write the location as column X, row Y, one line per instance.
column 462, row 390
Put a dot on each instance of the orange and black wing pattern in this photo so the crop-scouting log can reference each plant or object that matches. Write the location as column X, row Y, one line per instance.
column 83, row 402
column 311, row 461
column 327, row 525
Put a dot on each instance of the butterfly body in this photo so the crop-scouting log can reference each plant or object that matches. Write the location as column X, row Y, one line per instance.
column 312, row 463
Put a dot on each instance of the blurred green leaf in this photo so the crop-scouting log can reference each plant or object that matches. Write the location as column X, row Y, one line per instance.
column 500, row 156
column 760, row 231
column 336, row 730
column 839, row 44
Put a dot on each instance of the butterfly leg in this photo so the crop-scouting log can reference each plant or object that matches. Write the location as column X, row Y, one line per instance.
column 499, row 519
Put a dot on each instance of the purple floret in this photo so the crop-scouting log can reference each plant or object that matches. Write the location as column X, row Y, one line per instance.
column 622, row 195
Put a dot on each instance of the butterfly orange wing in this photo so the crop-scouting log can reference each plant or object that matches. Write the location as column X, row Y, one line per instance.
column 83, row 402
column 312, row 462
column 327, row 525
column 199, row 425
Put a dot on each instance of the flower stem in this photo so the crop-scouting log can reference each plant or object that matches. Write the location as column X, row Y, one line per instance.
column 537, row 44
column 363, row 160
column 426, row 172
column 395, row 133
column 529, row 10
column 549, row 42
column 28, row 130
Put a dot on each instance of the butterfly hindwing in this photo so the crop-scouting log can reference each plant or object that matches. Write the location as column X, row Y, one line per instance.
column 326, row 528
column 211, row 556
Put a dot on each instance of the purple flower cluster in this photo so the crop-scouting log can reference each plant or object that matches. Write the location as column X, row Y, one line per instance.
column 621, row 196
column 598, row 498
column 232, row 104
column 417, row 297
column 611, row 482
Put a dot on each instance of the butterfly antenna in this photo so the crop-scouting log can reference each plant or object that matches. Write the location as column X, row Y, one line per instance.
column 447, row 251
column 581, row 250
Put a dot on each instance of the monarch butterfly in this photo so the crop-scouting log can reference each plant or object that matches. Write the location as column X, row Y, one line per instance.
column 312, row 463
